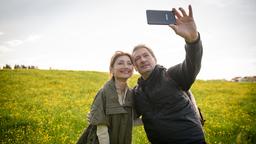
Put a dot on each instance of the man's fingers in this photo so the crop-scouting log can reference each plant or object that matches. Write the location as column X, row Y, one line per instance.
column 178, row 22
column 190, row 11
column 174, row 27
column 183, row 12
column 177, row 14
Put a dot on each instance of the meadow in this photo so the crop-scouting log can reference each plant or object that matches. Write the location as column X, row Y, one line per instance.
column 50, row 106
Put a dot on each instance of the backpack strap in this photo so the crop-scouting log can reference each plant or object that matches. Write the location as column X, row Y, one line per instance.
column 197, row 109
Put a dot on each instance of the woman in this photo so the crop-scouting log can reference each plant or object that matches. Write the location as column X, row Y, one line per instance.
column 112, row 109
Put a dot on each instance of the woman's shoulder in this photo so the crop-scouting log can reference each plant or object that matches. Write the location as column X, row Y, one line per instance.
column 110, row 84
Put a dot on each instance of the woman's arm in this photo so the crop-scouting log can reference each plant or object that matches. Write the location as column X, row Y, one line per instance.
column 102, row 133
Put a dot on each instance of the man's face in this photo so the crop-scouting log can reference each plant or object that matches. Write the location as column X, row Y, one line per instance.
column 144, row 62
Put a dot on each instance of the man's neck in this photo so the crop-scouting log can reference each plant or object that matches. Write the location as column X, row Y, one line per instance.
column 145, row 76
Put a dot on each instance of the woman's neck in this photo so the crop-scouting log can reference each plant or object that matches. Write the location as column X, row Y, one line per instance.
column 120, row 85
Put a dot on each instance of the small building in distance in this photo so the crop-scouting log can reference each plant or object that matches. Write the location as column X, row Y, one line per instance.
column 244, row 79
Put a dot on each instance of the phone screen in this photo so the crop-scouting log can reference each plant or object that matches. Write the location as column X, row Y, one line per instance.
column 160, row 17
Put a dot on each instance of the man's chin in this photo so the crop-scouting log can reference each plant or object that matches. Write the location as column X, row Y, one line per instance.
column 145, row 71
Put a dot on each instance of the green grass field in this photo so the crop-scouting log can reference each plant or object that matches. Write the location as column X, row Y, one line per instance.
column 50, row 106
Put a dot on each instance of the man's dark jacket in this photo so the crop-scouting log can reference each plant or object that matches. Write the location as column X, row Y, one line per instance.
column 167, row 113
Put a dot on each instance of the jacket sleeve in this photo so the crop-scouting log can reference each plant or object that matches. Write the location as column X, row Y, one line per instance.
column 102, row 133
column 98, row 112
column 136, row 101
column 185, row 73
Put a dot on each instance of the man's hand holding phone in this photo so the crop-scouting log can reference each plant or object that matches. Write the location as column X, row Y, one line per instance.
column 182, row 23
column 185, row 25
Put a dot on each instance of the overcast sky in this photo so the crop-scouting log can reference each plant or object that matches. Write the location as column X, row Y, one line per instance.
column 83, row 34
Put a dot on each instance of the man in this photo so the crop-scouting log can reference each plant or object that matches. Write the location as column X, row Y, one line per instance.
column 168, row 115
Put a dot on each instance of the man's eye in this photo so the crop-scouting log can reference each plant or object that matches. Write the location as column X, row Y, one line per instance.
column 136, row 59
column 146, row 55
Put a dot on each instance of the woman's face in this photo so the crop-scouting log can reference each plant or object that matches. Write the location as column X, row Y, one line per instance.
column 122, row 68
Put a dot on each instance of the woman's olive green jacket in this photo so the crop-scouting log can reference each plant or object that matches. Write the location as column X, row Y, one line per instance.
column 106, row 110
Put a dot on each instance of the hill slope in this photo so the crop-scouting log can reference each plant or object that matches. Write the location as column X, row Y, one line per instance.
column 50, row 106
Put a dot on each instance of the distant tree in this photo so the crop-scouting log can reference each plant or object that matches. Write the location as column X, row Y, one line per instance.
column 17, row 66
column 23, row 67
column 32, row 67
column 7, row 67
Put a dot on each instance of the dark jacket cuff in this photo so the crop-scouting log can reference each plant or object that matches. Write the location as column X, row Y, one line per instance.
column 196, row 41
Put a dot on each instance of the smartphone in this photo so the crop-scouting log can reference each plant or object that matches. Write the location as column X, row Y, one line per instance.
column 160, row 17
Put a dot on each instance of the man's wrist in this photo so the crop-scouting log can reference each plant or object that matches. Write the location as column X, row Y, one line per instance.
column 194, row 39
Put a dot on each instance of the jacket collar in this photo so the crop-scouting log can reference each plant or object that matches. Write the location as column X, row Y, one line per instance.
column 112, row 104
column 110, row 86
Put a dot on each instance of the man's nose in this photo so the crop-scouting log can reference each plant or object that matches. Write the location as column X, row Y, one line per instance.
column 143, row 59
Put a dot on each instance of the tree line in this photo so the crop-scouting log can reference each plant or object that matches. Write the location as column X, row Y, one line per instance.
column 16, row 66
